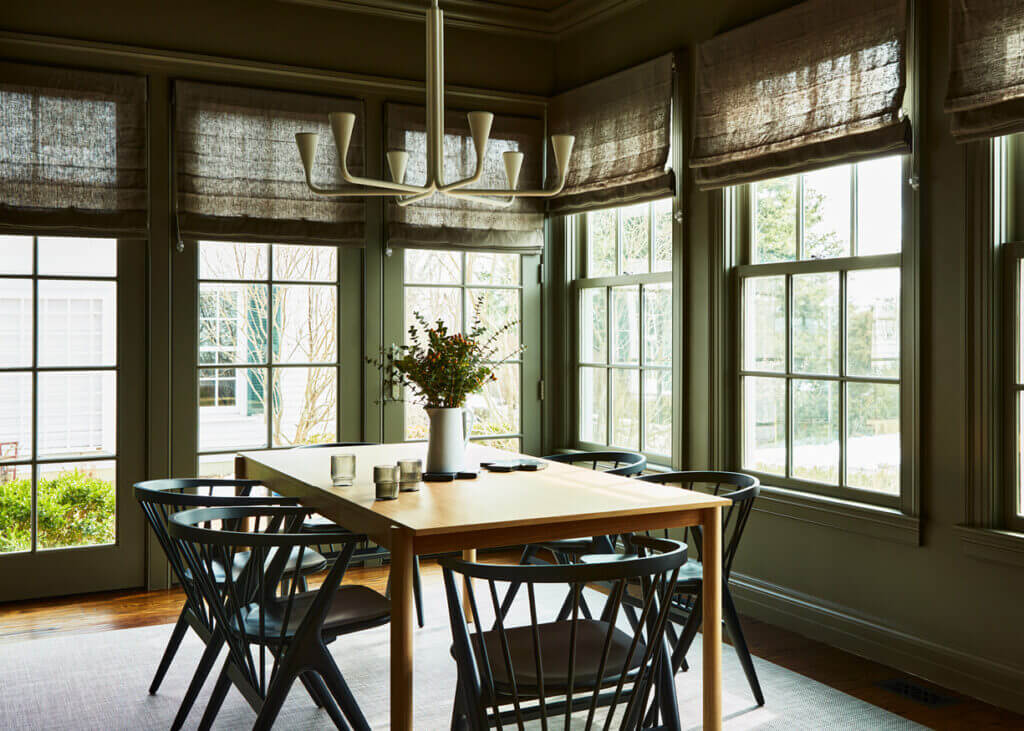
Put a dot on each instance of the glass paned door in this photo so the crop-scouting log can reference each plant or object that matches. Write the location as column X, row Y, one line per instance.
column 70, row 417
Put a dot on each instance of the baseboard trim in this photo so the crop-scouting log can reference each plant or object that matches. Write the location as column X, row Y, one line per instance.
column 987, row 680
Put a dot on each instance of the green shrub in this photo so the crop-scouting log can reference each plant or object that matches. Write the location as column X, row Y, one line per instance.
column 74, row 509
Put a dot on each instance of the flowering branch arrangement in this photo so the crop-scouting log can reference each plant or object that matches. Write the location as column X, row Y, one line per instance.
column 442, row 369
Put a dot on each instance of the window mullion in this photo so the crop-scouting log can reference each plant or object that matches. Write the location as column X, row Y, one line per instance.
column 799, row 218
column 33, row 467
column 641, row 431
column 854, row 227
column 842, row 379
column 268, row 385
column 788, row 369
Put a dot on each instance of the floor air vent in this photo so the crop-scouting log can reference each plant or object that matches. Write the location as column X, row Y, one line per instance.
column 915, row 691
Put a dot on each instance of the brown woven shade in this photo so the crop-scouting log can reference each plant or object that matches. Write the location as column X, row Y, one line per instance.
column 238, row 170
column 623, row 129
column 986, row 76
column 445, row 222
column 72, row 150
column 816, row 84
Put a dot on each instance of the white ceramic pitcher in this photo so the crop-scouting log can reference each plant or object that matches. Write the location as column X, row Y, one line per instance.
column 449, row 436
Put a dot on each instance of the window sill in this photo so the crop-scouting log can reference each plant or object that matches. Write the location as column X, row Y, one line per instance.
column 990, row 544
column 869, row 520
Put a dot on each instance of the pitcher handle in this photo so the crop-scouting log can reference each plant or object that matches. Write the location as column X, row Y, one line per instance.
column 467, row 424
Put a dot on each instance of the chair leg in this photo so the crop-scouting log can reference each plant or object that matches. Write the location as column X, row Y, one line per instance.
column 342, row 693
column 417, row 590
column 202, row 672
column 739, row 643
column 312, row 688
column 276, row 695
column 177, row 634
column 220, row 690
column 324, row 700
column 524, row 560
column 693, row 623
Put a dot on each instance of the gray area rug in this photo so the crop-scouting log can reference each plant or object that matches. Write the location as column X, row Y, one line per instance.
column 100, row 680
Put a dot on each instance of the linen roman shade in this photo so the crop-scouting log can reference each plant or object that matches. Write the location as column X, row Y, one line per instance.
column 623, row 129
column 72, row 150
column 456, row 223
column 986, row 76
column 238, row 170
column 813, row 85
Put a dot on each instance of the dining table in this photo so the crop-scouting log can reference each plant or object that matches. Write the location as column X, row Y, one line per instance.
column 493, row 509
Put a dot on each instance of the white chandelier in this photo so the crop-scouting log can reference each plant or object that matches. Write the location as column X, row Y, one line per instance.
column 342, row 124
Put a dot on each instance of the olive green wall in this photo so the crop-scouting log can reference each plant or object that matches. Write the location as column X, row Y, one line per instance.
column 929, row 609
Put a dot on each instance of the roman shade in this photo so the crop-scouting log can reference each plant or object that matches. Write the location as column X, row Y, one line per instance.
column 986, row 76
column 816, row 84
column 623, row 129
column 456, row 223
column 238, row 170
column 72, row 150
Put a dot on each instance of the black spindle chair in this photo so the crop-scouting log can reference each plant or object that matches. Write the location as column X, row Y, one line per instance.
column 273, row 639
column 552, row 670
column 625, row 464
column 741, row 491
column 317, row 523
column 159, row 499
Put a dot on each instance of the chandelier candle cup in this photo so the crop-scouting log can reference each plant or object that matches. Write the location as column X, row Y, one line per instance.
column 343, row 469
column 410, row 474
column 385, row 479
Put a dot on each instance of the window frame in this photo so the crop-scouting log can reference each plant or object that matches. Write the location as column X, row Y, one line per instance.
column 576, row 228
column 738, row 211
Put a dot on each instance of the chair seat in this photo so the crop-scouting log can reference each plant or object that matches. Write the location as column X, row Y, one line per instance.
column 311, row 563
column 691, row 573
column 567, row 545
column 352, row 608
column 555, row 643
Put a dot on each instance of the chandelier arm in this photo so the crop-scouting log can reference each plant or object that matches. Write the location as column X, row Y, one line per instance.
column 403, row 202
column 486, row 200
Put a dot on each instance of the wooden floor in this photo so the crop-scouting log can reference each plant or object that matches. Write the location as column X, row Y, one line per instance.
column 840, row 670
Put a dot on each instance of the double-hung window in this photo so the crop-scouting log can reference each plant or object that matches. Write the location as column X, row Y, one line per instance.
column 820, row 342
column 624, row 329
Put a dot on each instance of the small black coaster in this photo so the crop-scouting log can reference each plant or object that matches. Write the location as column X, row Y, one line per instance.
column 513, row 465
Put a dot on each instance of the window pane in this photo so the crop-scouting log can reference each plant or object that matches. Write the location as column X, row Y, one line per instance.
column 232, row 323
column 663, row 235
column 625, row 408
column 658, row 324
column 232, row 408
column 77, row 413
column 433, row 304
column 15, row 256
column 827, row 213
column 417, row 425
column 15, row 418
column 775, row 224
column 873, row 437
column 223, row 260
column 305, row 263
column 305, row 406
column 1019, row 507
column 636, row 239
column 593, row 405
column 15, row 508
column 496, row 406
column 433, row 267
column 764, row 324
column 594, row 325
column 511, row 444
column 764, row 424
column 879, row 206
column 496, row 308
column 305, row 324
column 816, row 430
column 76, row 504
column 658, row 412
column 217, row 465
column 816, row 323
column 872, row 323
column 66, row 255
column 601, row 243
column 77, row 323
column 625, row 324
column 1020, row 322
column 16, row 339
column 493, row 269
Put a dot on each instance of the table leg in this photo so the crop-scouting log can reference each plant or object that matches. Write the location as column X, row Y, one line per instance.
column 712, row 641
column 240, row 467
column 402, row 617
column 468, row 554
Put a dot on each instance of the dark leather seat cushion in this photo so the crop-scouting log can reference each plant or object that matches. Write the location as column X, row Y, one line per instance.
column 555, row 642
column 353, row 607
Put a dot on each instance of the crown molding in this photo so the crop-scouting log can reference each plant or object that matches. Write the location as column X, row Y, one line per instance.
column 489, row 15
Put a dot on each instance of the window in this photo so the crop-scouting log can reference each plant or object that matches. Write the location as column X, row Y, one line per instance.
column 58, row 381
column 267, row 348
column 1008, row 175
column 452, row 286
column 624, row 346
column 820, row 343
